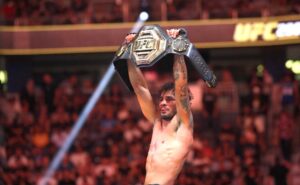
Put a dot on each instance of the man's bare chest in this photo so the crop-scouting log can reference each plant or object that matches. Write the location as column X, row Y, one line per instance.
column 163, row 143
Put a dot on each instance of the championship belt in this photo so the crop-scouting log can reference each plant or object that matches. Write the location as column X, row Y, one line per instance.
column 151, row 44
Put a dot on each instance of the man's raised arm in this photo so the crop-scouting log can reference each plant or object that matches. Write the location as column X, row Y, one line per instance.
column 182, row 94
column 142, row 92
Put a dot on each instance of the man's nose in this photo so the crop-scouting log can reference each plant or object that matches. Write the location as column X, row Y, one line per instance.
column 162, row 102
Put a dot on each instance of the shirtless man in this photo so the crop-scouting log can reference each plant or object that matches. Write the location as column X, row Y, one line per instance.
column 172, row 135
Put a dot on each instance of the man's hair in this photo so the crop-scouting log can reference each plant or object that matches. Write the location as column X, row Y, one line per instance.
column 170, row 86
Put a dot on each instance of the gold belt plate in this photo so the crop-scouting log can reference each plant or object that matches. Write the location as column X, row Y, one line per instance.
column 148, row 45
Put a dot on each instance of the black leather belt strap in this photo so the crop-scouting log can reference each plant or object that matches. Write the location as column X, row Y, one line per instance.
column 120, row 63
column 201, row 67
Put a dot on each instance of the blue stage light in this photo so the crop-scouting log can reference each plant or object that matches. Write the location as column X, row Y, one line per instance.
column 86, row 111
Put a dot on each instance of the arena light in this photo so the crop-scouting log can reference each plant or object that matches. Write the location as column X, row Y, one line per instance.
column 86, row 111
column 259, row 70
column 3, row 77
column 293, row 65
column 143, row 16
column 296, row 67
column 289, row 64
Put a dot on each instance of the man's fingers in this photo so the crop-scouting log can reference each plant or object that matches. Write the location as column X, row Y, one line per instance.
column 173, row 32
column 129, row 37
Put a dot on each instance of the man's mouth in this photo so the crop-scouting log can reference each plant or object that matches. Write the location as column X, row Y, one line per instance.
column 163, row 110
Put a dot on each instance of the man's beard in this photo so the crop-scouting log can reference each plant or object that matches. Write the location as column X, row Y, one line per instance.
column 167, row 117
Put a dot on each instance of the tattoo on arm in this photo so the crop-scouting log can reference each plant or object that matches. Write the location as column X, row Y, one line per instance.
column 180, row 76
column 176, row 74
column 184, row 98
column 181, row 89
column 180, row 68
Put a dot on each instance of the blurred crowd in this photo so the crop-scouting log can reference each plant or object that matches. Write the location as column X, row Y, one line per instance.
column 58, row 12
column 245, row 133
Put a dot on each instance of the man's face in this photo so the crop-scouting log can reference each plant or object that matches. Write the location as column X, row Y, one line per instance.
column 167, row 105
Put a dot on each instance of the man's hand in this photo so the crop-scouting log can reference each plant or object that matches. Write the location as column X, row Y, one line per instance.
column 173, row 33
column 129, row 37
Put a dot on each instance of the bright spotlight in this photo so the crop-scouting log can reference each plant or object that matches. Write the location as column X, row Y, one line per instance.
column 143, row 16
column 296, row 67
column 289, row 64
column 3, row 77
column 87, row 109
column 259, row 70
